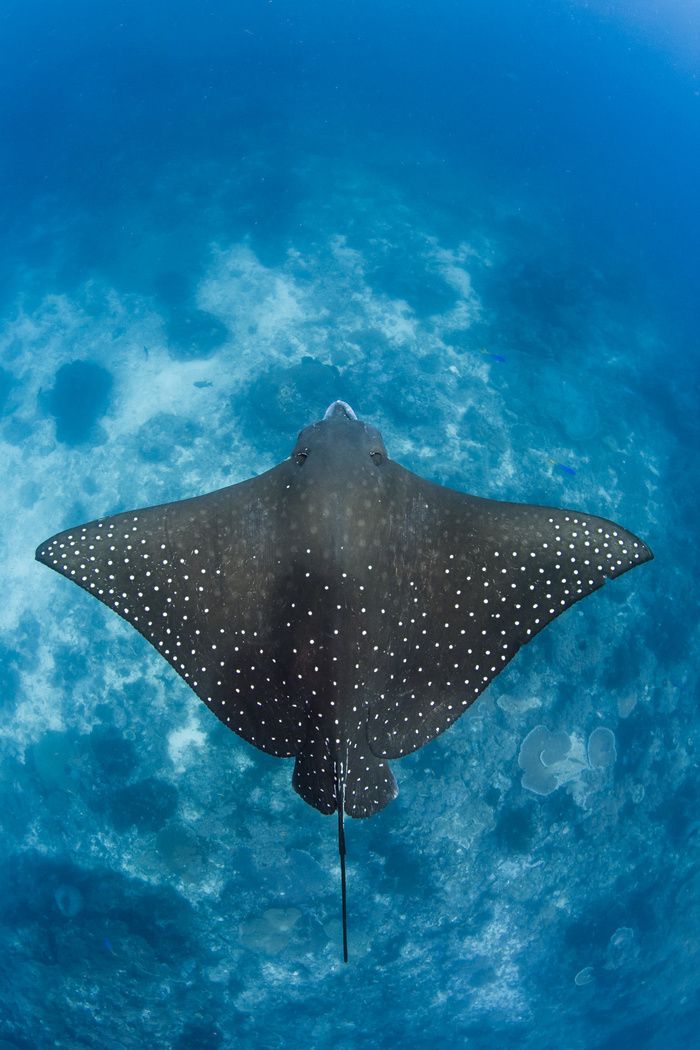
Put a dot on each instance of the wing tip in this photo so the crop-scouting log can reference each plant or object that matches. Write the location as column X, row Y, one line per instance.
column 41, row 554
column 644, row 550
column 642, row 553
column 636, row 551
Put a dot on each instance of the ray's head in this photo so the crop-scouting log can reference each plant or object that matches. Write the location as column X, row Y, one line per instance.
column 339, row 441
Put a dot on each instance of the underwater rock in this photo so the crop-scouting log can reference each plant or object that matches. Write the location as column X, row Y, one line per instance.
column 193, row 333
column 69, row 900
column 622, row 948
column 271, row 931
column 165, row 435
column 179, row 849
column 286, row 390
column 549, row 760
column 541, row 757
column 54, row 757
column 114, row 754
column 146, row 805
column 79, row 398
column 601, row 748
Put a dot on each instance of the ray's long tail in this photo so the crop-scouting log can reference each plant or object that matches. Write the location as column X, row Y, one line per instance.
column 341, row 855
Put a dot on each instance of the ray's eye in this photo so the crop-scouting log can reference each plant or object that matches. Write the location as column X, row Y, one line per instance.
column 376, row 456
column 301, row 455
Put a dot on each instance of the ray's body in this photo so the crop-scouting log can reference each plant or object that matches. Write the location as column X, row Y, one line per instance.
column 338, row 608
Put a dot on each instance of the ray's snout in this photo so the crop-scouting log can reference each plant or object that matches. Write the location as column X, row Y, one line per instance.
column 339, row 408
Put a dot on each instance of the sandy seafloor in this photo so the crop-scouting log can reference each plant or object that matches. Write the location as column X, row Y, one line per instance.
column 477, row 224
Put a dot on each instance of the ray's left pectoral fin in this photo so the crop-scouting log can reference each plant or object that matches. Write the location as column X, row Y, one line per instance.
column 150, row 568
column 196, row 578
column 500, row 574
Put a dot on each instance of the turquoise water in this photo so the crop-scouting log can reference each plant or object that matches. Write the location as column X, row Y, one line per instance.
column 478, row 225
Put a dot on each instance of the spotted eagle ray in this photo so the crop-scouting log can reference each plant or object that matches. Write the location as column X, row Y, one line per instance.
column 339, row 609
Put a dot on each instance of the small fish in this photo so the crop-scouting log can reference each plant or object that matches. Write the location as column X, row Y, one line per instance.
column 564, row 469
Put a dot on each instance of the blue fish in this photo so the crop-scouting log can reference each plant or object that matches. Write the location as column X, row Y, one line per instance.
column 565, row 470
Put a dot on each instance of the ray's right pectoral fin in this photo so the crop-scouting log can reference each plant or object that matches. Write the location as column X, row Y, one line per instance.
column 498, row 575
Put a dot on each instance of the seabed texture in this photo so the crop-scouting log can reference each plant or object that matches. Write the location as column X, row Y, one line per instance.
column 479, row 228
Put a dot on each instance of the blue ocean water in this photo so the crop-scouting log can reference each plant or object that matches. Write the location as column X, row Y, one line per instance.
column 478, row 224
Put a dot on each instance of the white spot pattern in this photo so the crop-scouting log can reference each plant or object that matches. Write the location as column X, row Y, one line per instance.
column 361, row 630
